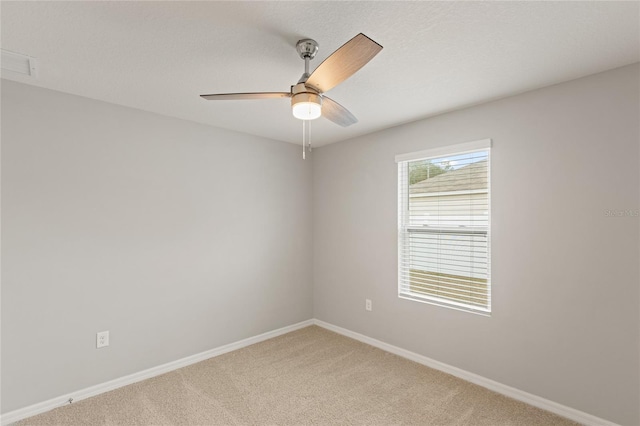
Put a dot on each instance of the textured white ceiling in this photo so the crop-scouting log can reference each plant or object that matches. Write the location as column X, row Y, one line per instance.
column 437, row 56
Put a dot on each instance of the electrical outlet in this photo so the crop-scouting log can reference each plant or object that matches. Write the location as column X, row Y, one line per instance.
column 367, row 304
column 102, row 339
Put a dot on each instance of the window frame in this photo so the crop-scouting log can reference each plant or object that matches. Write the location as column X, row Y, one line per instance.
column 405, row 228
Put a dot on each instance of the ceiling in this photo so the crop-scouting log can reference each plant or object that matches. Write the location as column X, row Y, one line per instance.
column 437, row 56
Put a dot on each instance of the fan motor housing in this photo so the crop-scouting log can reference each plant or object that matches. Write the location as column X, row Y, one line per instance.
column 306, row 97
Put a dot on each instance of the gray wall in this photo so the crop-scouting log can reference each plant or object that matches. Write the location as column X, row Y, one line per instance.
column 565, row 321
column 179, row 238
column 176, row 237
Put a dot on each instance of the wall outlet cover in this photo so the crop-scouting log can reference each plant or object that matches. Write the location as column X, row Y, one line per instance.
column 102, row 339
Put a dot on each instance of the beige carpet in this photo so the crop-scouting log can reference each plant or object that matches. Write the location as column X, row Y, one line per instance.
column 308, row 377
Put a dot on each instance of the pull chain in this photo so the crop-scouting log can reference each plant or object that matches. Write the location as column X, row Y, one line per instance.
column 306, row 138
column 309, row 137
column 304, row 134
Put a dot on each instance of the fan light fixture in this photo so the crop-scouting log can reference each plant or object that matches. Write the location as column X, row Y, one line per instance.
column 308, row 98
column 306, row 106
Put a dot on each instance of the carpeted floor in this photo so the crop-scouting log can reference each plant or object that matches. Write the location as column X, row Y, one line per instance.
column 310, row 376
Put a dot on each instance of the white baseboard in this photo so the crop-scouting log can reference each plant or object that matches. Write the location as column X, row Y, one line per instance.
column 545, row 404
column 41, row 407
column 562, row 410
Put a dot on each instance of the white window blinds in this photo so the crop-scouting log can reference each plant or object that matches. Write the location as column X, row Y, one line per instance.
column 444, row 218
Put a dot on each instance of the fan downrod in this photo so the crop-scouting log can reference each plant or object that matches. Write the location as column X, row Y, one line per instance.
column 307, row 48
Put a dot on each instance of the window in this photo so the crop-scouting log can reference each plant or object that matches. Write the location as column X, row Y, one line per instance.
column 444, row 226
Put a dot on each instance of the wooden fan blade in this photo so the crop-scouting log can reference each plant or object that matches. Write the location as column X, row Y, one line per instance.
column 343, row 63
column 245, row 96
column 331, row 110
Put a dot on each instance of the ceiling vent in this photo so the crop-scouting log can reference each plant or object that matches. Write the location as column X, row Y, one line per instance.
column 18, row 63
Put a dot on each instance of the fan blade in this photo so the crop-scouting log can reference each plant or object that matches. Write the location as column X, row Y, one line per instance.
column 331, row 110
column 343, row 63
column 244, row 96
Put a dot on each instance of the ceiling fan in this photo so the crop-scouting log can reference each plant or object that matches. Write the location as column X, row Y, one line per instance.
column 308, row 100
